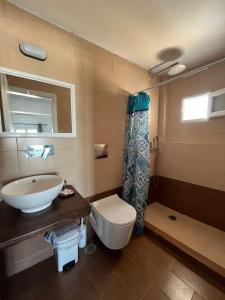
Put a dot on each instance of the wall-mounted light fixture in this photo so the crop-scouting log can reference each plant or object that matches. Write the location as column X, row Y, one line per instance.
column 33, row 51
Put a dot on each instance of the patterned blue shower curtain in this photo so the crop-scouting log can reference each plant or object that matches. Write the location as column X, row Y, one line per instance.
column 137, row 158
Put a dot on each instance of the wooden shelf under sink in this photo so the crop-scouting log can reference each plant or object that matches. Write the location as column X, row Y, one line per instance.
column 16, row 226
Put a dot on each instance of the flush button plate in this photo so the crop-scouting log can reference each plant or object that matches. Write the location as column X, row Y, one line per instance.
column 100, row 151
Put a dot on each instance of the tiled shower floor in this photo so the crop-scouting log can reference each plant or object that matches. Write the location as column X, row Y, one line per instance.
column 204, row 242
column 145, row 269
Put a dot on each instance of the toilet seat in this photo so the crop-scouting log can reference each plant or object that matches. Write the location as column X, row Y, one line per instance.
column 113, row 220
column 115, row 210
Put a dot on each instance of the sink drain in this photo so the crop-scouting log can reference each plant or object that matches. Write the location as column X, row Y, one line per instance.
column 90, row 248
column 172, row 217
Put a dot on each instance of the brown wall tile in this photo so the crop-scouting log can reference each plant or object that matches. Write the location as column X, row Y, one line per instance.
column 201, row 203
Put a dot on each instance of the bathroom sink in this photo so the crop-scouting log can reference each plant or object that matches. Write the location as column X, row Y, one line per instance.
column 32, row 194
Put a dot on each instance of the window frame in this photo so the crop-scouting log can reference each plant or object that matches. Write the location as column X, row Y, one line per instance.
column 219, row 113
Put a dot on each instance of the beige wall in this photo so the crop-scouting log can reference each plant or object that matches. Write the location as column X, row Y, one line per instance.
column 103, row 82
column 192, row 152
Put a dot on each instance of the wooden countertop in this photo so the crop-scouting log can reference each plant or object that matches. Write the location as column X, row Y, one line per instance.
column 16, row 226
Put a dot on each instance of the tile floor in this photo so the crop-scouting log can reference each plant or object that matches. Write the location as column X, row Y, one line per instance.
column 145, row 269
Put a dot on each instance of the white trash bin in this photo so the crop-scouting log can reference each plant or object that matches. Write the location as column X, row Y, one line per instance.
column 66, row 249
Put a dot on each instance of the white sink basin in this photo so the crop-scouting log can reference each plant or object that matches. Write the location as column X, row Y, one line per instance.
column 32, row 194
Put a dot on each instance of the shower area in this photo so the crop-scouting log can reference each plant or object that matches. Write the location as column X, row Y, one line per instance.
column 186, row 199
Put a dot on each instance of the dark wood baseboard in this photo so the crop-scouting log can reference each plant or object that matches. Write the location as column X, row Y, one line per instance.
column 187, row 259
column 104, row 194
column 201, row 203
column 118, row 191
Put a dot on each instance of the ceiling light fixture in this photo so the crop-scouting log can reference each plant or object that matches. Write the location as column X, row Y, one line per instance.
column 163, row 69
column 177, row 69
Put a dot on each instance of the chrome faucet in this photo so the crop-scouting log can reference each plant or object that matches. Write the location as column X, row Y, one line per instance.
column 48, row 150
column 39, row 151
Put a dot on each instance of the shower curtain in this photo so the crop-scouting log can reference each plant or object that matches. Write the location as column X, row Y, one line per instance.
column 137, row 158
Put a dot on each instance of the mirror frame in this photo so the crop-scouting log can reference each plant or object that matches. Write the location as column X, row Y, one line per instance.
column 53, row 82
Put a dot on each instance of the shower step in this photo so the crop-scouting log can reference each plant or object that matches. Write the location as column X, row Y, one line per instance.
column 201, row 241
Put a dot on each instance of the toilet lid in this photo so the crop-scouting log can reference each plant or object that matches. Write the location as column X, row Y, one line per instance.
column 115, row 210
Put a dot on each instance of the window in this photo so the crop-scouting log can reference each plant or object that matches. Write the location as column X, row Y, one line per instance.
column 195, row 108
column 217, row 107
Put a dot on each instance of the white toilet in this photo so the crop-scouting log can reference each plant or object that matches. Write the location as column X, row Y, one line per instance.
column 113, row 220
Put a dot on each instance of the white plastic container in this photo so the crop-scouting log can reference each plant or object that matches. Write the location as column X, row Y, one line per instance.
column 66, row 248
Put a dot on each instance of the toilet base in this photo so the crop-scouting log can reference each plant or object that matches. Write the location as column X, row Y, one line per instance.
column 114, row 237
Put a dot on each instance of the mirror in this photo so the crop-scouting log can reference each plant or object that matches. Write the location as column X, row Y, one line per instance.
column 35, row 106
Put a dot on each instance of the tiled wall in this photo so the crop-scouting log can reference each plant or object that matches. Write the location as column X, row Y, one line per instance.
column 192, row 152
column 200, row 203
column 103, row 82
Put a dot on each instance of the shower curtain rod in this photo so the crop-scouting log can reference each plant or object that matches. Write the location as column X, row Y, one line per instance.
column 192, row 72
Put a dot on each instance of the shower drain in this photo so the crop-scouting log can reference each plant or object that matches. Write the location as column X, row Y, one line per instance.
column 90, row 248
column 172, row 217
